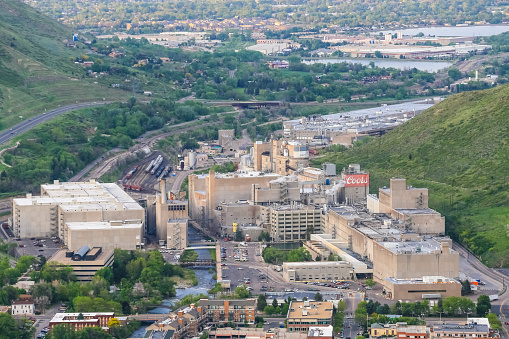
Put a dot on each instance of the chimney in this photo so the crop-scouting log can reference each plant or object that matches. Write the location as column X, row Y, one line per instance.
column 163, row 191
column 181, row 321
column 192, row 306
column 180, row 314
column 199, row 309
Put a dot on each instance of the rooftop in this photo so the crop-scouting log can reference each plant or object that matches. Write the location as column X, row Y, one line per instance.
column 320, row 331
column 63, row 317
column 104, row 225
column 102, row 259
column 82, row 195
column 310, row 309
column 438, row 280
column 416, row 211
column 455, row 327
column 316, row 263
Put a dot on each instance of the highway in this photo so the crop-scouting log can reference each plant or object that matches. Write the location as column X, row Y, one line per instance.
column 30, row 123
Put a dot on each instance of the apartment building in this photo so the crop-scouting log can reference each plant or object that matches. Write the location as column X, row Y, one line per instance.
column 305, row 314
column 59, row 203
column 88, row 320
column 235, row 310
column 184, row 323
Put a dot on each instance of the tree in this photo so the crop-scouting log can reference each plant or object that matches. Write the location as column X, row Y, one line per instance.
column 465, row 287
column 494, row 321
column 455, row 74
column 113, row 322
column 318, row 296
column 238, row 235
column 204, row 335
column 370, row 283
column 81, row 317
column 341, row 306
column 378, row 54
column 275, row 303
column 262, row 302
column 105, row 273
column 483, row 305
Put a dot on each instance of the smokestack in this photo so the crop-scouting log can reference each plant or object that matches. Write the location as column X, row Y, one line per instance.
column 163, row 191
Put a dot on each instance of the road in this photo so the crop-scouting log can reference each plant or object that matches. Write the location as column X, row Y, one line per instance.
column 28, row 124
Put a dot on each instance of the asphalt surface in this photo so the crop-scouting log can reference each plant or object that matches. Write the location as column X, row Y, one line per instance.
column 30, row 123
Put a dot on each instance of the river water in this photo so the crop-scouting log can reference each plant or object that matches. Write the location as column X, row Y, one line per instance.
column 427, row 66
column 482, row 30
column 205, row 281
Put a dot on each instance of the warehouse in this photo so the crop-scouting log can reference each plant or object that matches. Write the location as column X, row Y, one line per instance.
column 60, row 203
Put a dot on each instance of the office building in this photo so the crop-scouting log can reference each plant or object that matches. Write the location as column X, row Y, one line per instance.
column 84, row 262
column 305, row 314
column 382, row 330
column 291, row 223
column 317, row 271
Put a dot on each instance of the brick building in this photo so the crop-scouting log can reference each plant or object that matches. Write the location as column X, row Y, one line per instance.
column 236, row 310
column 89, row 320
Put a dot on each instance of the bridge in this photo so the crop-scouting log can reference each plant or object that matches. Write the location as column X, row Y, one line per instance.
column 200, row 247
column 246, row 104
column 198, row 262
column 149, row 317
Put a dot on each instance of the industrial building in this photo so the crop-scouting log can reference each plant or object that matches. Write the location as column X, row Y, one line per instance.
column 84, row 262
column 346, row 127
column 280, row 156
column 305, row 314
column 59, row 203
column 171, row 220
column 317, row 271
column 208, row 191
column 430, row 288
column 126, row 235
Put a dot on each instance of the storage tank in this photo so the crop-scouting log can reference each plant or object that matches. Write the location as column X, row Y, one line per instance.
column 191, row 159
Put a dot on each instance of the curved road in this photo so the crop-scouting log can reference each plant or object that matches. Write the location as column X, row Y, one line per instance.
column 28, row 124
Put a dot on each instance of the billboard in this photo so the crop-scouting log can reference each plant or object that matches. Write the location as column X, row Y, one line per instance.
column 357, row 180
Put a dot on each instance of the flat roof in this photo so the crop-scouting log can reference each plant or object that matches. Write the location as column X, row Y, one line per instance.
column 418, row 281
column 316, row 263
column 322, row 331
column 315, row 310
column 82, row 195
column 102, row 259
column 101, row 225
column 426, row 246
column 61, row 317
column 416, row 211
column 455, row 327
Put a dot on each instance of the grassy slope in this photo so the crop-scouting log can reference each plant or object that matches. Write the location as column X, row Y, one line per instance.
column 35, row 67
column 459, row 150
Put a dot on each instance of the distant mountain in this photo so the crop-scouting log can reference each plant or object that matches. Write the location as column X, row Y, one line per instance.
column 459, row 149
column 36, row 71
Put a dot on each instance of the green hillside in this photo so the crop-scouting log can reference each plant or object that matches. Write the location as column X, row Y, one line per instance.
column 459, row 149
column 36, row 71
